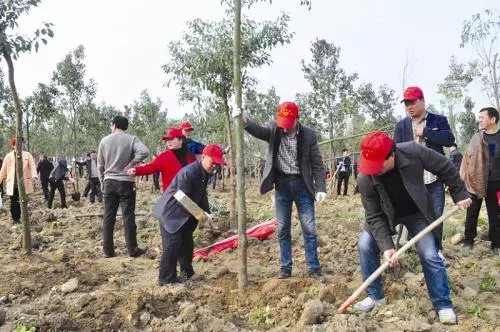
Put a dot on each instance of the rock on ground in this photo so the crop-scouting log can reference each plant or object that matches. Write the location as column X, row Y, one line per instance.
column 70, row 286
column 313, row 310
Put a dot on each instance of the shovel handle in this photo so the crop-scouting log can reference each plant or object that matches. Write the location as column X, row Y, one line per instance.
column 399, row 253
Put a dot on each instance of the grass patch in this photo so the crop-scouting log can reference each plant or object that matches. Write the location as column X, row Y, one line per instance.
column 261, row 316
column 313, row 291
column 24, row 328
column 496, row 263
column 473, row 308
column 483, row 222
column 488, row 283
column 469, row 267
column 411, row 262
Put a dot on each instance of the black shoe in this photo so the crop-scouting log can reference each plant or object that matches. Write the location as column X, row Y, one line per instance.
column 16, row 222
column 468, row 246
column 316, row 275
column 108, row 255
column 496, row 251
column 284, row 274
column 137, row 252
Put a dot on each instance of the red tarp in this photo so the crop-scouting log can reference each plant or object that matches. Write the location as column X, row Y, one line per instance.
column 261, row 232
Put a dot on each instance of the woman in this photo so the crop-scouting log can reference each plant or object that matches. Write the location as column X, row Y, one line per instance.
column 169, row 162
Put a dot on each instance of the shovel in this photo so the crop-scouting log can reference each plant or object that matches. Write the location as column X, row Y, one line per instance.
column 399, row 253
column 75, row 195
column 196, row 211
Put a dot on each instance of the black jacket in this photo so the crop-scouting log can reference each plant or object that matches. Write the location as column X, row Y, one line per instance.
column 411, row 160
column 456, row 158
column 310, row 163
column 59, row 172
column 192, row 180
column 44, row 168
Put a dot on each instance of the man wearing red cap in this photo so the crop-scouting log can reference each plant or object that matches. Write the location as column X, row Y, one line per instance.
column 176, row 223
column 194, row 147
column 393, row 192
column 295, row 170
column 430, row 130
column 169, row 162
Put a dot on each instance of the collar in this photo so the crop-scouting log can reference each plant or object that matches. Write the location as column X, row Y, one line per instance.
column 295, row 133
column 420, row 119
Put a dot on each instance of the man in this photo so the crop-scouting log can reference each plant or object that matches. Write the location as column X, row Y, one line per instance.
column 93, row 184
column 295, row 170
column 343, row 171
column 118, row 152
column 194, row 147
column 393, row 192
column 430, row 130
column 455, row 156
column 8, row 171
column 43, row 169
column 176, row 223
column 481, row 173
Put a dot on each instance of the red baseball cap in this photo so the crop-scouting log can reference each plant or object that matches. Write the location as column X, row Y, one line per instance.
column 374, row 150
column 215, row 153
column 412, row 93
column 13, row 140
column 185, row 125
column 287, row 113
column 172, row 133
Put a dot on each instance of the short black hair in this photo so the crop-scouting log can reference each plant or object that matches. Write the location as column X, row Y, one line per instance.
column 344, row 150
column 492, row 113
column 120, row 122
column 393, row 149
column 454, row 145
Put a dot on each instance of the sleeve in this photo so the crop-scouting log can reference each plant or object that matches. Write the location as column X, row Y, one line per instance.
column 32, row 166
column 258, row 131
column 100, row 162
column 150, row 168
column 374, row 215
column 397, row 137
column 141, row 152
column 440, row 133
column 318, row 170
column 445, row 170
column 3, row 170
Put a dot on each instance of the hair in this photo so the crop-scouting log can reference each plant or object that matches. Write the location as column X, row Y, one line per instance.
column 344, row 150
column 492, row 113
column 93, row 151
column 393, row 149
column 454, row 145
column 120, row 122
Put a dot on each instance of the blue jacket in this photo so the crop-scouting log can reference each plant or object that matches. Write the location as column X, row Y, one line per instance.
column 192, row 180
column 194, row 147
column 437, row 132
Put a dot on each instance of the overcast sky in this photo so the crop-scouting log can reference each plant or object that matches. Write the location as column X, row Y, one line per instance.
column 126, row 42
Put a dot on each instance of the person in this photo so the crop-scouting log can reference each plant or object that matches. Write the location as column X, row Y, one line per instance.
column 169, row 162
column 295, row 169
column 455, row 156
column 8, row 172
column 355, row 174
column 93, row 184
column 118, row 152
column 43, row 169
column 194, row 147
column 481, row 172
column 56, row 179
column 430, row 130
column 343, row 171
column 176, row 223
column 393, row 192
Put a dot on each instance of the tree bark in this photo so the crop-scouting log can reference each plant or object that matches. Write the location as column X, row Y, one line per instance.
column 23, row 198
column 240, row 156
column 232, row 167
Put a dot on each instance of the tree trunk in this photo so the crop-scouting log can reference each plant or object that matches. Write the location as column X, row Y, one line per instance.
column 232, row 167
column 332, row 158
column 23, row 198
column 496, row 82
column 27, row 130
column 240, row 156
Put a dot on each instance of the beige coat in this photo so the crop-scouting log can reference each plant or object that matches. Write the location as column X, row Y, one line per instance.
column 8, row 172
column 474, row 168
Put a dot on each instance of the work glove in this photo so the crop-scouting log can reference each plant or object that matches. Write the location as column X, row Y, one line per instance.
column 236, row 112
column 320, row 196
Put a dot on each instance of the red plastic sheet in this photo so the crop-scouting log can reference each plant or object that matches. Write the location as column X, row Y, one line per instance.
column 261, row 232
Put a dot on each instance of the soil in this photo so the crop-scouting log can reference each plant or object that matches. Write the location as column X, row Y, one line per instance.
column 122, row 293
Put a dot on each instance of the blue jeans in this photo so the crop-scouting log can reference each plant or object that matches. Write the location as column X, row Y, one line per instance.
column 290, row 189
column 434, row 269
column 436, row 191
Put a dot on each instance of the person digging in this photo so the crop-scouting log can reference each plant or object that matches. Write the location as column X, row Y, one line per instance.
column 392, row 189
column 176, row 223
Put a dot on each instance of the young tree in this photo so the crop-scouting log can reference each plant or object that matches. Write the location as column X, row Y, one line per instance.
column 11, row 46
column 468, row 123
column 203, row 61
column 379, row 105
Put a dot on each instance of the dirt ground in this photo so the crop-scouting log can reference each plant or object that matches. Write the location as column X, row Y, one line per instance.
column 67, row 285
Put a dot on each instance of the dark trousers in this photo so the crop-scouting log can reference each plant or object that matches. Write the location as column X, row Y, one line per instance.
column 59, row 185
column 493, row 215
column 177, row 247
column 45, row 188
column 15, row 207
column 88, row 186
column 119, row 193
column 343, row 177
column 95, row 189
column 156, row 181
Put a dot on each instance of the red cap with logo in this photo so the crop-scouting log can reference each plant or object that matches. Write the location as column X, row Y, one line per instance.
column 412, row 93
column 172, row 133
column 215, row 153
column 185, row 125
column 375, row 148
column 287, row 113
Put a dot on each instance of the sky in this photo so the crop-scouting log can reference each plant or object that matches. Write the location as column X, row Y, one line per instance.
column 126, row 43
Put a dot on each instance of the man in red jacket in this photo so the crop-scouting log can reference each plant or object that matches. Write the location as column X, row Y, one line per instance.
column 169, row 162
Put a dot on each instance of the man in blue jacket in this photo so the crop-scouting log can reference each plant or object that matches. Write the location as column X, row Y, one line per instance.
column 430, row 130
column 176, row 223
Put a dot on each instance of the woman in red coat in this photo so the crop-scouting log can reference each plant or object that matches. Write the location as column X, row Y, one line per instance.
column 169, row 162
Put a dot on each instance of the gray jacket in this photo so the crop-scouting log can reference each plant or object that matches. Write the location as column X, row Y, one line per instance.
column 411, row 160
column 310, row 163
column 192, row 180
